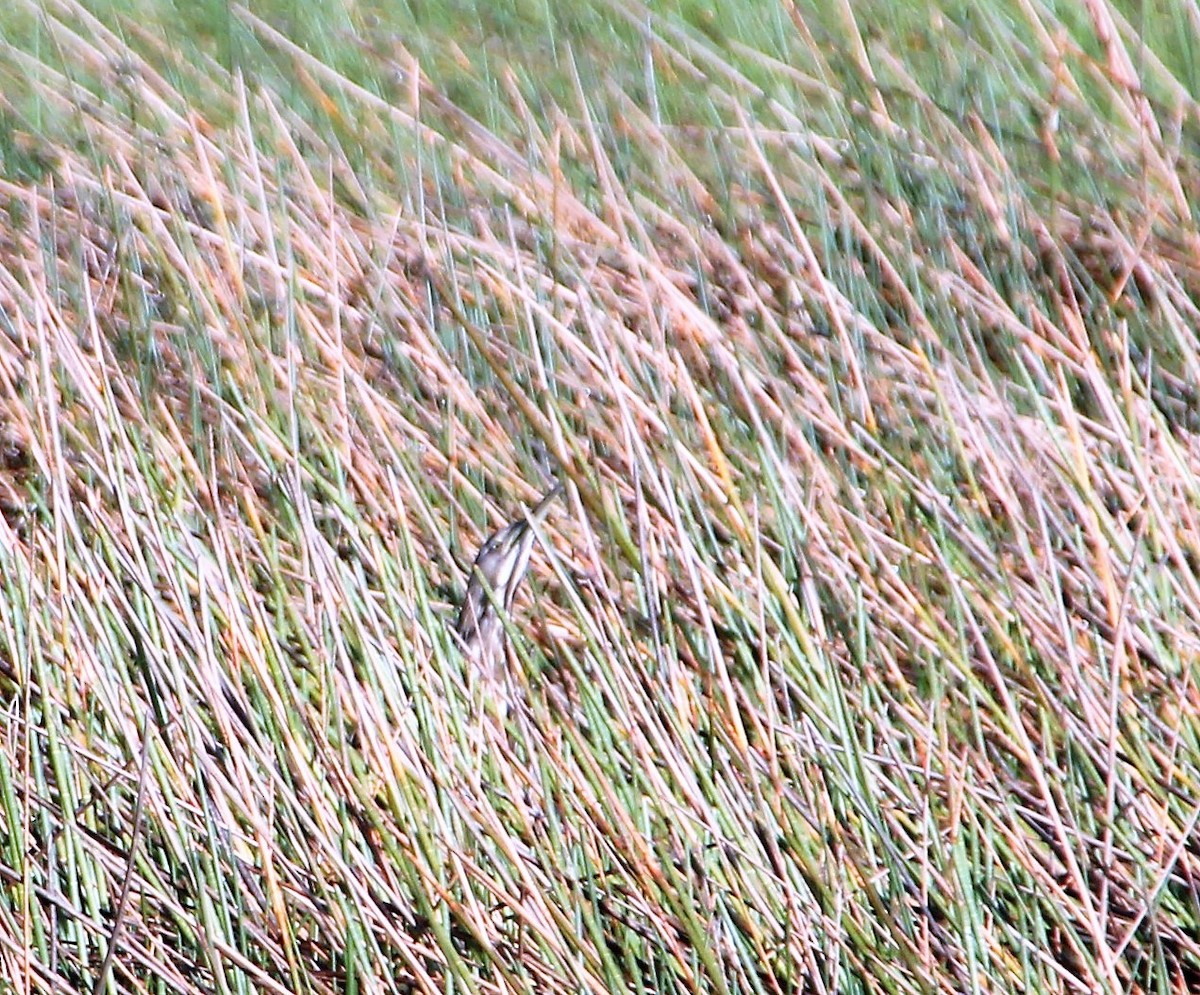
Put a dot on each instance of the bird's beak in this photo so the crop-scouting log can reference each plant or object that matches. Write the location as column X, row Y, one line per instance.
column 539, row 510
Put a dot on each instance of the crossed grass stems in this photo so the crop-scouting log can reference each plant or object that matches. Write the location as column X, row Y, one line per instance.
column 1010, row 715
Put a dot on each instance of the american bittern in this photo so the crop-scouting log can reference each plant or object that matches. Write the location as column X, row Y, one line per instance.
column 496, row 574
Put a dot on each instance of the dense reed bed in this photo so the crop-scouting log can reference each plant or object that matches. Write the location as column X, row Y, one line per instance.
column 860, row 655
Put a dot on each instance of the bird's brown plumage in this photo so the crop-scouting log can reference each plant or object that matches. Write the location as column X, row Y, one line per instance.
column 496, row 574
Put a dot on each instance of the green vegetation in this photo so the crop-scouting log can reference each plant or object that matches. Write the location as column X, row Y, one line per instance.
column 861, row 656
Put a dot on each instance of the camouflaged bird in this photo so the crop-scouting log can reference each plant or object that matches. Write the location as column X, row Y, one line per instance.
column 496, row 574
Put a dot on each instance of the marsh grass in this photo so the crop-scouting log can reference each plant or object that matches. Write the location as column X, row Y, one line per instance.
column 861, row 655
